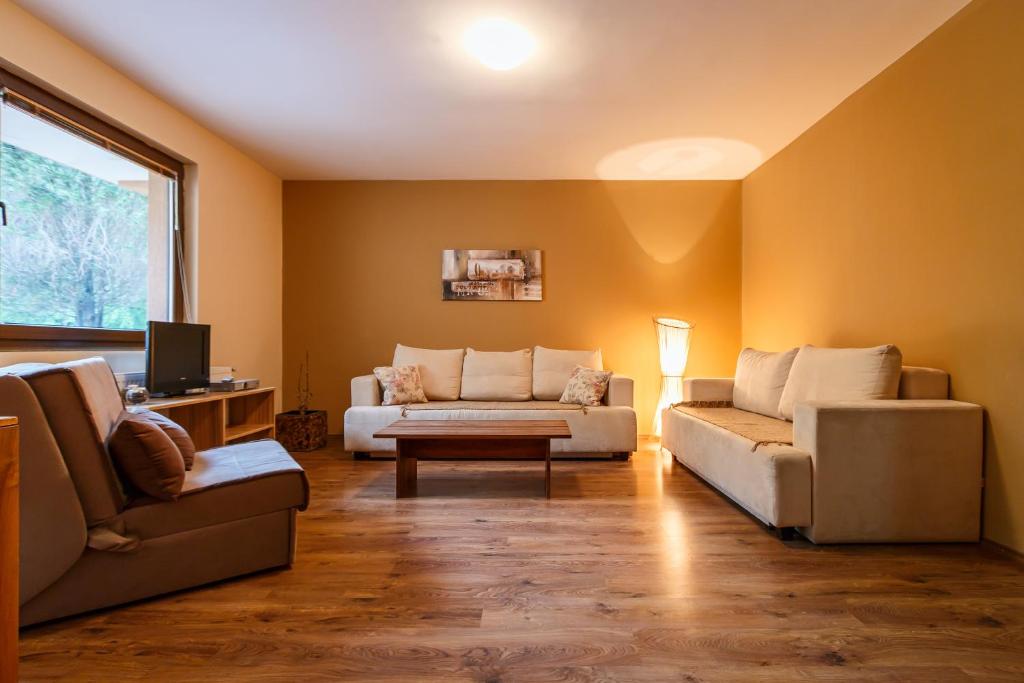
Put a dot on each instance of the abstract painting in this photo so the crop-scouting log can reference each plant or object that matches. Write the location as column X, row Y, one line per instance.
column 491, row 275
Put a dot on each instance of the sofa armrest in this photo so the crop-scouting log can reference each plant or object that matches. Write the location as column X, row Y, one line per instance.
column 707, row 389
column 892, row 470
column 620, row 391
column 365, row 391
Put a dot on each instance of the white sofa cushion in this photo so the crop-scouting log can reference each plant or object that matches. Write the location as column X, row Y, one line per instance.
column 841, row 375
column 497, row 375
column 440, row 370
column 553, row 367
column 760, row 378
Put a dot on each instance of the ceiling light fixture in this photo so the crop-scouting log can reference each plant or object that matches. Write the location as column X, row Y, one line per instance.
column 498, row 43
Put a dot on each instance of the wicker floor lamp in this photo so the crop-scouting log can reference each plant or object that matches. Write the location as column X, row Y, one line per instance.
column 673, row 348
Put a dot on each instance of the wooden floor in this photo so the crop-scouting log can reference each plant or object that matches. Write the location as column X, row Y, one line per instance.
column 633, row 571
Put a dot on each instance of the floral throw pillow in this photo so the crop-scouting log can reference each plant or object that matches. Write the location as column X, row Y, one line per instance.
column 401, row 385
column 586, row 386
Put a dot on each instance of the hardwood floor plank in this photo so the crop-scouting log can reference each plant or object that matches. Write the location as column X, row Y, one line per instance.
column 633, row 571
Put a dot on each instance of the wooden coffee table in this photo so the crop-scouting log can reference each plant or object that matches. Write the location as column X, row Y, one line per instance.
column 470, row 440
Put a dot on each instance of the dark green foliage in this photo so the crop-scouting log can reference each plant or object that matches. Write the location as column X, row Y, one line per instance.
column 74, row 252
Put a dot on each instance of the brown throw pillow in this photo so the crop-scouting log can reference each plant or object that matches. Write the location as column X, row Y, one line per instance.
column 147, row 457
column 177, row 433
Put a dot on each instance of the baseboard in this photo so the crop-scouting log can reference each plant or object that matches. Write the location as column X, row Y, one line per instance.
column 1003, row 549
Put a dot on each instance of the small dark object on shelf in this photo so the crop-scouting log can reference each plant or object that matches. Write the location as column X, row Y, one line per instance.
column 136, row 395
column 302, row 430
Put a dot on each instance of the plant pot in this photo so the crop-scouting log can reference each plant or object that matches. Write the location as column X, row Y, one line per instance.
column 302, row 431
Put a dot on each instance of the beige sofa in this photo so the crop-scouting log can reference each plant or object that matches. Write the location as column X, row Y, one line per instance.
column 902, row 469
column 85, row 544
column 473, row 386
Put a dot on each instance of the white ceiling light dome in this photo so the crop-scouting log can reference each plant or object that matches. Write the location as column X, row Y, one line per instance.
column 498, row 43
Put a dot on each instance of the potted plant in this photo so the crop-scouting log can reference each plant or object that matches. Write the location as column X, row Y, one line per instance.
column 302, row 429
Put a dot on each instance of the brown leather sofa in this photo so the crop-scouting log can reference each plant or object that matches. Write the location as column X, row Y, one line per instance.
column 85, row 544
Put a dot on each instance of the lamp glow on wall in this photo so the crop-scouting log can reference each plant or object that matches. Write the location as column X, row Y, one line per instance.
column 673, row 348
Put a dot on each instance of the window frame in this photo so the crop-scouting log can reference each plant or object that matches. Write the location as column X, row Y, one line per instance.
column 46, row 104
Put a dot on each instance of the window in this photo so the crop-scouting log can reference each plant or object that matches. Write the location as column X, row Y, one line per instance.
column 89, row 251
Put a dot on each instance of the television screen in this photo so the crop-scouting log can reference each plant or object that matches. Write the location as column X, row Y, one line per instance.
column 177, row 357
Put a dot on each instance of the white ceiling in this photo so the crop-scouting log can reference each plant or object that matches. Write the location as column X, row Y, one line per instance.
column 331, row 89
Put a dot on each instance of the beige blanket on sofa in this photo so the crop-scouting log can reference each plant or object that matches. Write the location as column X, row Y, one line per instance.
column 760, row 429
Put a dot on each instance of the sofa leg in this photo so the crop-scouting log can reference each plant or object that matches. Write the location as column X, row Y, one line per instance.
column 621, row 455
column 360, row 455
column 785, row 533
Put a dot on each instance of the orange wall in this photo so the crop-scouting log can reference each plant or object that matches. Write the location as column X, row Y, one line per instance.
column 897, row 218
column 234, row 204
column 363, row 272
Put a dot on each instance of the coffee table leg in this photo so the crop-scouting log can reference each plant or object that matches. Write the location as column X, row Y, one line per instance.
column 405, row 470
column 547, row 469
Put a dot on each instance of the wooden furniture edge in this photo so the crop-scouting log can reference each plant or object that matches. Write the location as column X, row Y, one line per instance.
column 464, row 440
column 9, row 537
column 179, row 401
column 475, row 429
column 235, row 432
column 219, row 403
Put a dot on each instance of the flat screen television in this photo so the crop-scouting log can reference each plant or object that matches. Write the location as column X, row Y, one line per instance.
column 177, row 358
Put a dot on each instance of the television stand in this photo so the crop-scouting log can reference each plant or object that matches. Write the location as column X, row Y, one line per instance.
column 220, row 418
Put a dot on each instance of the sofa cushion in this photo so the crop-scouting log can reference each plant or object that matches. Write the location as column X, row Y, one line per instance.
column 440, row 370
column 81, row 403
column 51, row 524
column 586, row 387
column 772, row 481
column 497, row 375
column 401, row 385
column 760, row 378
column 225, row 484
column 553, row 367
column 147, row 457
column 99, row 387
column 841, row 375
